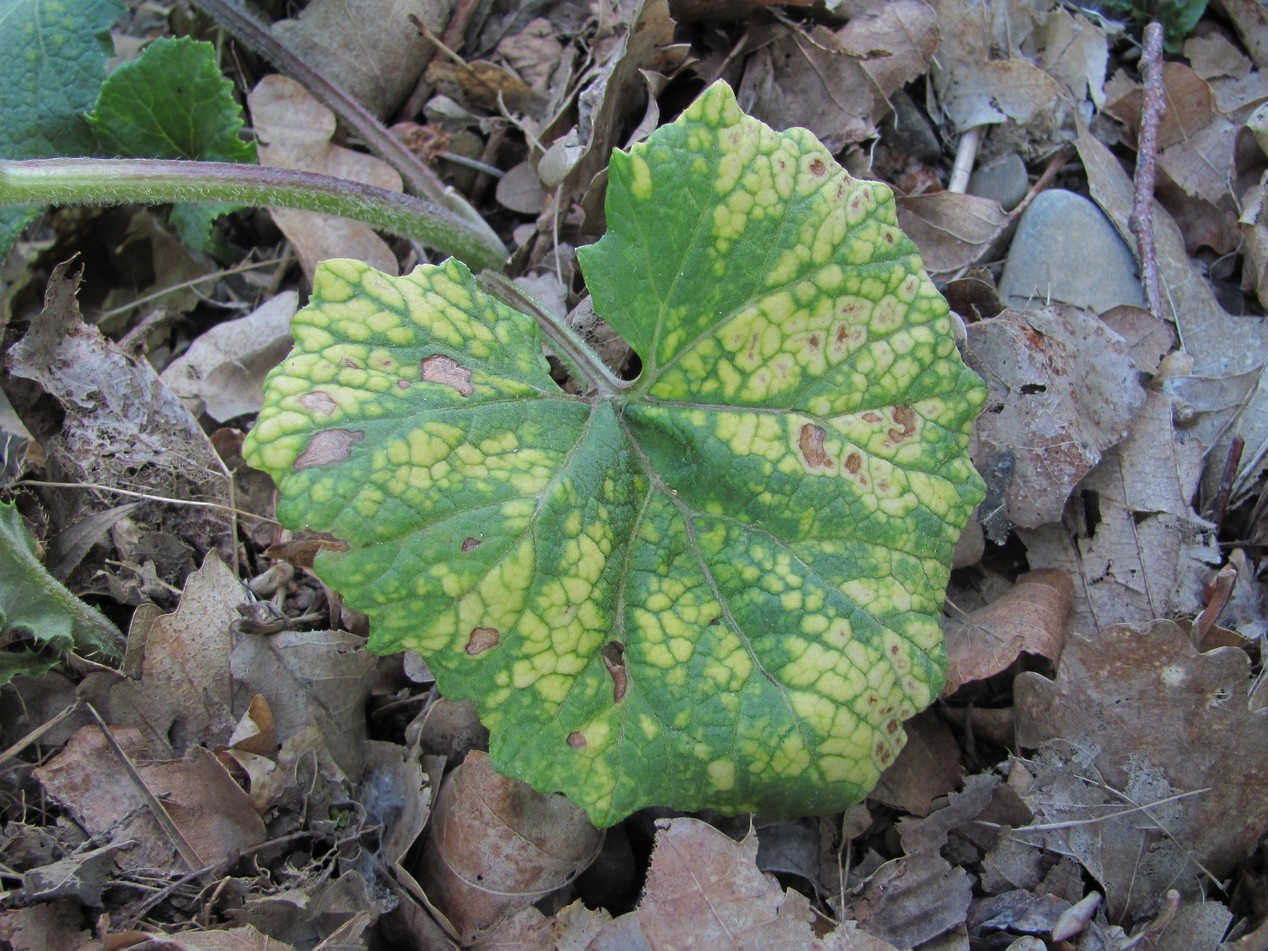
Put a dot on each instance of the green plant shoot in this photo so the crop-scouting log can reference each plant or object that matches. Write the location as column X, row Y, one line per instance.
column 717, row 587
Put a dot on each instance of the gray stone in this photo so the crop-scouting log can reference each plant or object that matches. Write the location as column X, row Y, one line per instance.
column 1006, row 180
column 1065, row 249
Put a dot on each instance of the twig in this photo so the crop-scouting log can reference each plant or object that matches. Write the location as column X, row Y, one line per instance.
column 192, row 503
column 1141, row 220
column 965, row 157
column 36, row 733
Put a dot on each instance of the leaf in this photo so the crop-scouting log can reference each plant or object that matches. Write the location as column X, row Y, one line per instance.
column 1063, row 391
column 32, row 600
column 1155, row 718
column 704, row 890
column 719, row 587
column 52, row 62
column 184, row 695
column 294, row 131
column 209, row 809
column 495, row 845
column 172, row 102
column 222, row 373
column 371, row 48
column 1028, row 617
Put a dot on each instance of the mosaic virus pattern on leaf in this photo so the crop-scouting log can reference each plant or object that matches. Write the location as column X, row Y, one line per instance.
column 717, row 588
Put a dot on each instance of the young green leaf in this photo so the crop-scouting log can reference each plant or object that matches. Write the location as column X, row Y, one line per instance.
column 172, row 102
column 52, row 62
column 719, row 587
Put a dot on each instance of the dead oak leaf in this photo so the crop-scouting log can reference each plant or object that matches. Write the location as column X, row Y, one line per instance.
column 1144, row 701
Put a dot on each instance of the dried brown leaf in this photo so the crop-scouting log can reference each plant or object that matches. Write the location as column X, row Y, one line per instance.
column 185, row 695
column 913, row 899
column 704, row 891
column 926, row 768
column 1062, row 391
column 317, row 678
column 1030, row 617
column 1224, row 388
column 118, row 425
column 1129, row 537
column 496, row 845
column 54, row 924
column 211, row 811
column 838, row 84
column 929, row 834
column 1154, row 718
column 222, row 372
column 953, row 231
column 294, row 131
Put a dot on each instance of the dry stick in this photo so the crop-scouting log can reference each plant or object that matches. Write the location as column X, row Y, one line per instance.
column 1141, row 220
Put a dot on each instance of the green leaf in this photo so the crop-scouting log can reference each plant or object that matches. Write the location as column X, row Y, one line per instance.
column 52, row 62
column 33, row 601
column 172, row 102
column 718, row 588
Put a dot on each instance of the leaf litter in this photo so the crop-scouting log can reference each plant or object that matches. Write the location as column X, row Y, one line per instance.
column 253, row 778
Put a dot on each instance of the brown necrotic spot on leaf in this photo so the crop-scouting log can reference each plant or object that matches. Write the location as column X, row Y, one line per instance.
column 482, row 639
column 446, row 371
column 403, row 384
column 905, row 417
column 613, row 655
column 577, row 740
column 318, row 401
column 351, row 364
column 470, row 544
column 811, row 444
column 328, row 446
column 817, row 167
column 853, row 463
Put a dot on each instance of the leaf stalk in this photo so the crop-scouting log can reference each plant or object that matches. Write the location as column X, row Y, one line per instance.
column 582, row 362
column 92, row 181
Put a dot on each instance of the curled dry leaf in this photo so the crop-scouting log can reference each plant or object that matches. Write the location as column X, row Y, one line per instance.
column 1029, row 617
column 1146, row 710
column 953, row 231
column 496, row 845
column 1062, row 390
column 223, row 370
column 294, row 130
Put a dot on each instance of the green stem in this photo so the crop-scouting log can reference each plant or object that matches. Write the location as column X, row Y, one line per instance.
column 582, row 361
column 90, row 181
